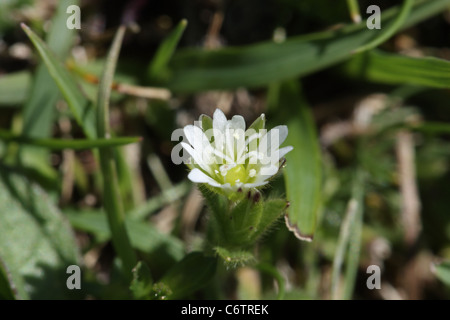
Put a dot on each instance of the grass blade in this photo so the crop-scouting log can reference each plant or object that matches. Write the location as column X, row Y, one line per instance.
column 392, row 29
column 78, row 103
column 353, row 8
column 442, row 271
column 158, row 65
column 61, row 144
column 112, row 201
column 391, row 68
column 14, row 88
column 267, row 62
column 348, row 242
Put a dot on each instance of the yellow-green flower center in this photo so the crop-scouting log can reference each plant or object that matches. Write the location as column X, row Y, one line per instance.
column 236, row 174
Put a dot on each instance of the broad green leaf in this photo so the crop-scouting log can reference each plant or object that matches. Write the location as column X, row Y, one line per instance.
column 398, row 69
column 80, row 106
column 142, row 282
column 189, row 275
column 260, row 64
column 61, row 144
column 14, row 88
column 303, row 171
column 158, row 66
column 143, row 236
column 36, row 243
column 442, row 272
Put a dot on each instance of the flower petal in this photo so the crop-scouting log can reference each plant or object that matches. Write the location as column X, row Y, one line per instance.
column 219, row 120
column 255, row 184
column 198, row 176
column 282, row 152
column 237, row 122
column 198, row 157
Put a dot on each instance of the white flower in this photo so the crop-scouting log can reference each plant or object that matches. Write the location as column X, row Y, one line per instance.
column 223, row 154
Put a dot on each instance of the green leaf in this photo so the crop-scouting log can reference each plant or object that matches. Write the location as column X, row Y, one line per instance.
column 442, row 272
column 235, row 258
column 272, row 210
column 37, row 242
column 392, row 68
column 80, row 106
column 40, row 108
column 7, row 286
column 391, row 29
column 14, row 88
column 112, row 198
column 143, row 236
column 189, row 275
column 303, row 171
column 349, row 243
column 158, row 66
column 260, row 64
column 61, row 144
column 167, row 196
column 142, row 282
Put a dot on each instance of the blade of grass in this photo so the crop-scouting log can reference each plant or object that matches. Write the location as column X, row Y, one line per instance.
column 432, row 127
column 392, row 29
column 349, row 241
column 144, row 236
column 153, row 204
column 158, row 65
column 111, row 195
column 353, row 8
column 391, row 68
column 61, row 144
column 80, row 106
column 39, row 109
column 14, row 88
column 267, row 62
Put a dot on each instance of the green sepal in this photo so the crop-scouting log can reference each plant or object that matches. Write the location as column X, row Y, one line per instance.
column 235, row 258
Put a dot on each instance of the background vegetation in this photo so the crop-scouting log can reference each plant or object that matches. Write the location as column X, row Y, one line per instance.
column 90, row 182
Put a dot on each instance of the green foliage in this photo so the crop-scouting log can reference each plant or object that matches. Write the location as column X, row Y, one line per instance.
column 142, row 283
column 303, row 175
column 391, row 68
column 264, row 63
column 185, row 277
column 14, row 88
column 341, row 189
column 442, row 271
column 37, row 242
